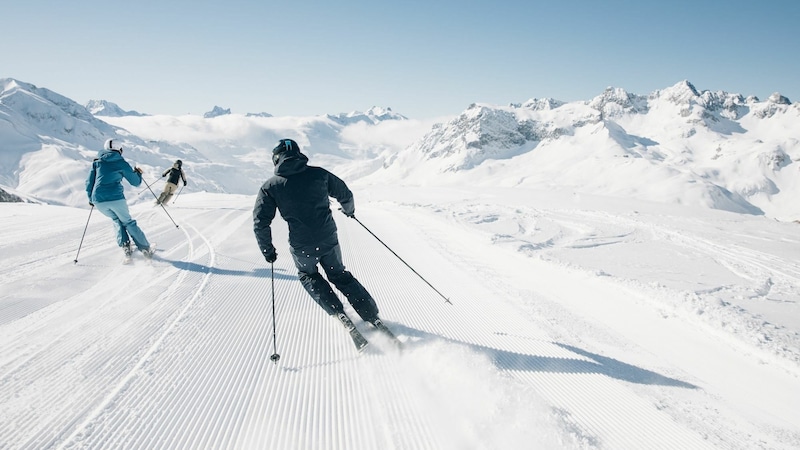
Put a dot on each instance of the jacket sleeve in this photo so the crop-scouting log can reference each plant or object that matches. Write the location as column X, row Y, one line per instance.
column 133, row 177
column 165, row 173
column 339, row 190
column 263, row 213
column 183, row 177
column 90, row 181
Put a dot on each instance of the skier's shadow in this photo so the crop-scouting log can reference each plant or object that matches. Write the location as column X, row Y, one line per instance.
column 508, row 360
column 261, row 272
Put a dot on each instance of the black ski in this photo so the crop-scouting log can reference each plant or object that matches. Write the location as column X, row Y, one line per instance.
column 358, row 339
column 380, row 326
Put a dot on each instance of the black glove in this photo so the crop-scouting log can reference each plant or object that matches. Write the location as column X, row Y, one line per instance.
column 270, row 255
column 91, row 204
column 138, row 170
column 185, row 183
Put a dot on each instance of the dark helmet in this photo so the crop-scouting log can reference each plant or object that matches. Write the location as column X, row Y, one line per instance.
column 285, row 146
column 179, row 163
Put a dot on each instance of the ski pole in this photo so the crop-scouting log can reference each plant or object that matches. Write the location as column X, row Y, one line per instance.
column 401, row 259
column 84, row 234
column 275, row 356
column 162, row 206
column 140, row 192
column 176, row 195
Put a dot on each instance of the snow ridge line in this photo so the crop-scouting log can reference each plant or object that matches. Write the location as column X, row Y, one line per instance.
column 156, row 345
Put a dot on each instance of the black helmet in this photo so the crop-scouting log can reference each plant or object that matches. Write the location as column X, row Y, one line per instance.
column 285, row 146
column 179, row 163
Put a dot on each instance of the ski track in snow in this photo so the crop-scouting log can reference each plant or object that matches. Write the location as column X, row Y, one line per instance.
column 175, row 353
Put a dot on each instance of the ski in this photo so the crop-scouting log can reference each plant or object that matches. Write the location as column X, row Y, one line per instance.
column 358, row 339
column 380, row 326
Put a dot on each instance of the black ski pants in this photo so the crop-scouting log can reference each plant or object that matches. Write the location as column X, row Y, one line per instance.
column 330, row 260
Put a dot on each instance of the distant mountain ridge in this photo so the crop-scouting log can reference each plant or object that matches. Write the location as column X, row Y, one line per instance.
column 373, row 115
column 217, row 111
column 722, row 148
column 707, row 148
column 109, row 109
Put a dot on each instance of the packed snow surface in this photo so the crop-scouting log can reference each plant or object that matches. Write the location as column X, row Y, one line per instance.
column 577, row 322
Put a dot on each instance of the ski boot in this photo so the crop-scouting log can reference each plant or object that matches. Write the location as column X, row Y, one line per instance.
column 148, row 252
column 358, row 339
column 128, row 253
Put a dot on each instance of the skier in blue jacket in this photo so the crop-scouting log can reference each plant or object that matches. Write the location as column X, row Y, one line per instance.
column 301, row 193
column 105, row 191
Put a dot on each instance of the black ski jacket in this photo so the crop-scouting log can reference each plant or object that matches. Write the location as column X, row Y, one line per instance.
column 174, row 175
column 301, row 193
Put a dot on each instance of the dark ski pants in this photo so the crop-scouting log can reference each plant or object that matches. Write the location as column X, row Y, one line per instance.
column 331, row 262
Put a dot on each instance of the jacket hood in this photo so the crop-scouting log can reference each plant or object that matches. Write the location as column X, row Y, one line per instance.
column 109, row 155
column 290, row 163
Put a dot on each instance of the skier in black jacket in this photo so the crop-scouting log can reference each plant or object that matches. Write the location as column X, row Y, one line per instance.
column 301, row 193
column 174, row 174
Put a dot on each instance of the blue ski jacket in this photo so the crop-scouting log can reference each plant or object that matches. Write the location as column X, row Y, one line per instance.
column 104, row 183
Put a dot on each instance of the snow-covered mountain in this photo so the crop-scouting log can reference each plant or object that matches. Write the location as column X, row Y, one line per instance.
column 8, row 197
column 708, row 148
column 109, row 109
column 261, row 114
column 216, row 112
column 47, row 143
column 598, row 296
column 714, row 149
column 373, row 115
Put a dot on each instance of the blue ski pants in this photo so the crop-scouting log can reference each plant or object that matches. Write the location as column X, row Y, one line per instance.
column 124, row 225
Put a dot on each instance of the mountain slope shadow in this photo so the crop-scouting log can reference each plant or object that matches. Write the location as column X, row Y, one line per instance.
column 508, row 360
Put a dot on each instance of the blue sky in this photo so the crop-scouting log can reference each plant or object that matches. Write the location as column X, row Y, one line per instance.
column 423, row 59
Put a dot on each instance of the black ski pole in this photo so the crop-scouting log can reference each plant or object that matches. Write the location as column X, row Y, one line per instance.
column 275, row 356
column 156, row 197
column 179, row 193
column 401, row 259
column 84, row 234
column 140, row 192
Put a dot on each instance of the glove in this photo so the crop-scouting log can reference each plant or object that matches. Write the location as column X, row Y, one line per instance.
column 349, row 214
column 270, row 255
column 91, row 204
column 185, row 183
column 138, row 170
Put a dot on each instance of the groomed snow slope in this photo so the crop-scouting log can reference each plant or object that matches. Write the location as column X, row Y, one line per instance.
column 571, row 327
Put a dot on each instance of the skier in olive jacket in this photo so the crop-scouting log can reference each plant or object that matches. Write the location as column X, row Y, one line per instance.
column 301, row 193
column 105, row 192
